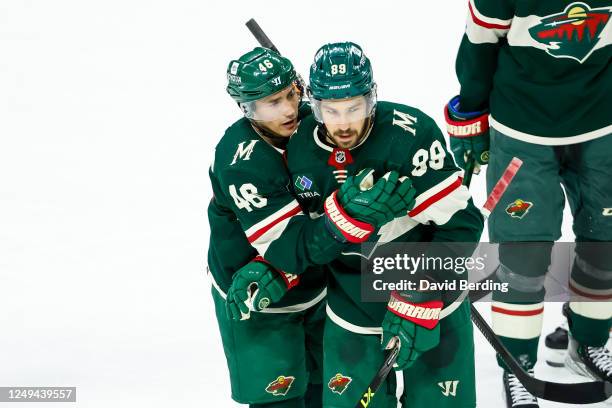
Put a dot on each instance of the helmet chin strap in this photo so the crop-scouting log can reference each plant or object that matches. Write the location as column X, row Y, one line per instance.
column 274, row 139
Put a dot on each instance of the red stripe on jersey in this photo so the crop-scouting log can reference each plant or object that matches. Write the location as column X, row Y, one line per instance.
column 588, row 295
column 436, row 197
column 535, row 312
column 485, row 24
column 257, row 234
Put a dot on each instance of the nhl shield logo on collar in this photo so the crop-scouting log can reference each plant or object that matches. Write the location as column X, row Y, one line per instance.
column 339, row 158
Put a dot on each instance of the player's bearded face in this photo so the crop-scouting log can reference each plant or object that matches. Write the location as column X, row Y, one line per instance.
column 345, row 120
column 278, row 113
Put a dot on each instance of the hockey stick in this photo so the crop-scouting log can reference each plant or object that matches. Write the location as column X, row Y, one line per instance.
column 260, row 36
column 469, row 169
column 576, row 393
column 380, row 377
column 467, row 180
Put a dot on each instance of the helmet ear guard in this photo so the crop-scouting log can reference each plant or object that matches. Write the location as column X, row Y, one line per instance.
column 243, row 108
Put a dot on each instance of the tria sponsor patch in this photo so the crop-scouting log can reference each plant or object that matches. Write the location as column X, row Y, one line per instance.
column 518, row 208
column 280, row 386
column 339, row 383
column 303, row 183
column 572, row 33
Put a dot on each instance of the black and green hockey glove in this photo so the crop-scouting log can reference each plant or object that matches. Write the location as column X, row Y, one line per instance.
column 255, row 286
column 412, row 319
column 469, row 134
column 360, row 206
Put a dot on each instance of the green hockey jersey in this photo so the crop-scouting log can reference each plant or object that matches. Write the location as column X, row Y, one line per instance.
column 542, row 67
column 404, row 139
column 253, row 212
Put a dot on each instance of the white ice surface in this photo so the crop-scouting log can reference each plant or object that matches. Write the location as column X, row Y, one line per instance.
column 109, row 113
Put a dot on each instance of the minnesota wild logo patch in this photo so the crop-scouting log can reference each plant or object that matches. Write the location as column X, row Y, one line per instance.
column 280, row 386
column 572, row 33
column 339, row 383
column 519, row 208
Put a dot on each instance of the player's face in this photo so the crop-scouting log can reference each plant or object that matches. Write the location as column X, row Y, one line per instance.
column 344, row 120
column 279, row 112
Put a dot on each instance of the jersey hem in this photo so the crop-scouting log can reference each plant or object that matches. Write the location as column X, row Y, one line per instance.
column 549, row 141
column 378, row 330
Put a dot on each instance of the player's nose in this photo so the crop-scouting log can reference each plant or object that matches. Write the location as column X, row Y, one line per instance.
column 289, row 109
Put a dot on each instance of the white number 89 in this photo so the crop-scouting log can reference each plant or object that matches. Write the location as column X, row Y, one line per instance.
column 433, row 158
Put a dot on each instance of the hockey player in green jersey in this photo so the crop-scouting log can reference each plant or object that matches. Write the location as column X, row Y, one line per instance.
column 274, row 356
column 348, row 131
column 539, row 73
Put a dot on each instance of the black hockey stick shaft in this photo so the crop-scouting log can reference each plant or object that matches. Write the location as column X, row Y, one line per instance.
column 576, row 393
column 380, row 377
column 260, row 36
column 469, row 169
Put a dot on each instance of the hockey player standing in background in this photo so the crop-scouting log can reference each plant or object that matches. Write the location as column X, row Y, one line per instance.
column 543, row 71
column 274, row 357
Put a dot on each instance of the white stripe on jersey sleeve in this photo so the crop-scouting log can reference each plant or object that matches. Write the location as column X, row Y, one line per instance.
column 486, row 19
column 262, row 234
column 263, row 242
column 441, row 209
column 481, row 29
column 481, row 35
column 271, row 218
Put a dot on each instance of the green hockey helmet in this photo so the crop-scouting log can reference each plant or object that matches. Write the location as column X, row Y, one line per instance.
column 341, row 71
column 258, row 74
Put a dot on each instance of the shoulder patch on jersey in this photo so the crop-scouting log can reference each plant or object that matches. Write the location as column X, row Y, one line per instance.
column 244, row 151
column 573, row 33
column 405, row 121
